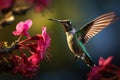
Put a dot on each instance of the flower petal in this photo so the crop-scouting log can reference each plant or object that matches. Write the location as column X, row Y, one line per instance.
column 22, row 28
column 16, row 33
column 19, row 26
column 28, row 22
column 101, row 61
column 34, row 59
column 108, row 60
column 25, row 31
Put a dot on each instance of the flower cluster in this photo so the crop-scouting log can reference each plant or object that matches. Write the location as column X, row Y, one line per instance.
column 105, row 70
column 32, row 50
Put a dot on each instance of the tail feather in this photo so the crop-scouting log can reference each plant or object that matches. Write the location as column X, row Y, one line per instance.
column 88, row 61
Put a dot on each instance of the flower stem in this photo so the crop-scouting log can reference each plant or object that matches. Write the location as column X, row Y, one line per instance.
column 18, row 40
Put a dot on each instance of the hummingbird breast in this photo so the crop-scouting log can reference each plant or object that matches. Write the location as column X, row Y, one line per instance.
column 73, row 44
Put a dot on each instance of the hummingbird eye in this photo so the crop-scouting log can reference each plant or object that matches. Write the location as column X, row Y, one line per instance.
column 69, row 22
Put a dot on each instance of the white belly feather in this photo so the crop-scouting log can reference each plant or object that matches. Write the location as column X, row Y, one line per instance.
column 70, row 36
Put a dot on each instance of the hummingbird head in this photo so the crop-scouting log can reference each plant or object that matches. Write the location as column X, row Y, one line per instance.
column 66, row 23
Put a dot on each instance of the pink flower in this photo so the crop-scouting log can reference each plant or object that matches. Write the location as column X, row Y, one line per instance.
column 5, row 4
column 44, row 42
column 105, row 67
column 22, row 28
column 40, row 42
column 24, row 66
column 94, row 74
column 36, row 46
column 46, row 37
column 103, row 62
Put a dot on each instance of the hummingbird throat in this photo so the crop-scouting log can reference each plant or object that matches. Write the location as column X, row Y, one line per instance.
column 67, row 27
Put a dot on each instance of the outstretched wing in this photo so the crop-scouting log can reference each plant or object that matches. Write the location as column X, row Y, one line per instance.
column 95, row 26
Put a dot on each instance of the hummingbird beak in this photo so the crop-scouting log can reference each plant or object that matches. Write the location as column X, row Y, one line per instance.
column 57, row 20
column 66, row 23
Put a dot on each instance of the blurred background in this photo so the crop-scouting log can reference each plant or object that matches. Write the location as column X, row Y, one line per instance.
column 62, row 65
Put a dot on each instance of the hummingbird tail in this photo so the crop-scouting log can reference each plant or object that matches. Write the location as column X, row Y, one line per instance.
column 88, row 60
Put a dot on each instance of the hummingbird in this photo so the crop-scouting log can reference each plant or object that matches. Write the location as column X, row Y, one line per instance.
column 76, row 39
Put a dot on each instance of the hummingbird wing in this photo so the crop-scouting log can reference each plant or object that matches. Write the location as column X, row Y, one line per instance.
column 95, row 26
